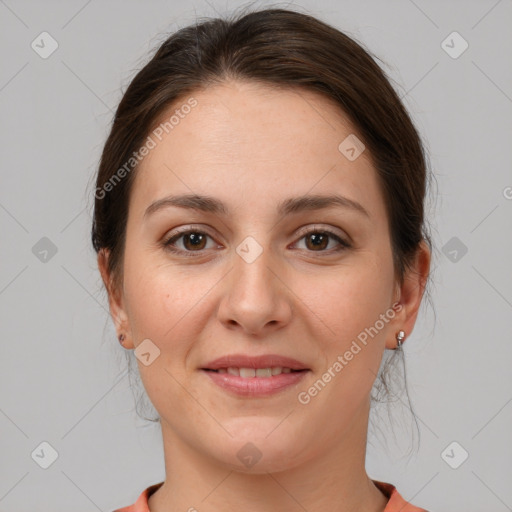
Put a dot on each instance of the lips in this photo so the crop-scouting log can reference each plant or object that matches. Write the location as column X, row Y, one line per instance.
column 255, row 376
column 264, row 362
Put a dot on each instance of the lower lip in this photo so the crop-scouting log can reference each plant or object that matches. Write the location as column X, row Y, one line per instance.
column 255, row 386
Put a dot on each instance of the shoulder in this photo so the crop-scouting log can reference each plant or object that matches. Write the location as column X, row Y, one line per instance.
column 396, row 503
column 141, row 505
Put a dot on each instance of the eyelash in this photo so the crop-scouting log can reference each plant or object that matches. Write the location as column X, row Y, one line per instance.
column 168, row 243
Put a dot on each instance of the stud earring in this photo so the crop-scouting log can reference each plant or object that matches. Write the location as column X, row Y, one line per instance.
column 400, row 337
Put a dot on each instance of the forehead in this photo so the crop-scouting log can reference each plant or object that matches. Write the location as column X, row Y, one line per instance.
column 244, row 141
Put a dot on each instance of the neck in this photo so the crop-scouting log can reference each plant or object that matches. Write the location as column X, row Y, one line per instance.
column 333, row 480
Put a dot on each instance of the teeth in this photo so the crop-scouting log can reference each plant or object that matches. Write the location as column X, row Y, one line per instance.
column 248, row 373
column 264, row 372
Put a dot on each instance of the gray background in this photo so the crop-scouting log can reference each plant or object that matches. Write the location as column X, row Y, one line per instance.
column 63, row 374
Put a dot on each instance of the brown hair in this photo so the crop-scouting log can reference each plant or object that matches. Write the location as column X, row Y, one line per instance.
column 283, row 48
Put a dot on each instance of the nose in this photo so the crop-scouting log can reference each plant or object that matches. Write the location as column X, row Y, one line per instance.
column 255, row 298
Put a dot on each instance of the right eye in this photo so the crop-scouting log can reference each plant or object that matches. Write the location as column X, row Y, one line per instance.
column 193, row 242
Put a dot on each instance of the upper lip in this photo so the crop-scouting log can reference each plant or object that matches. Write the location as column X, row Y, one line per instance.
column 246, row 361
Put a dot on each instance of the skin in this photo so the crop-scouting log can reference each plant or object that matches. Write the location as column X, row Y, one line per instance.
column 252, row 146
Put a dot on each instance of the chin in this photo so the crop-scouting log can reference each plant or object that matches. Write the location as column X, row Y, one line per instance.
column 261, row 448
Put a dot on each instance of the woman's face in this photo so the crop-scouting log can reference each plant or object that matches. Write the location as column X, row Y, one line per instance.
column 259, row 276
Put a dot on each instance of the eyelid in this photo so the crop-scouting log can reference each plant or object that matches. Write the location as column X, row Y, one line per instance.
column 189, row 228
column 313, row 228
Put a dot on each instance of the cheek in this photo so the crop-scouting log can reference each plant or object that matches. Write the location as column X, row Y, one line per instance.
column 163, row 307
column 354, row 295
column 167, row 305
column 350, row 304
column 153, row 299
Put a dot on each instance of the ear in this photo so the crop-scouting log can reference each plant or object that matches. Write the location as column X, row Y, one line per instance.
column 115, row 300
column 409, row 295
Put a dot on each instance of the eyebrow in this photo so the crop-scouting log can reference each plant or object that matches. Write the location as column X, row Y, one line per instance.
column 288, row 206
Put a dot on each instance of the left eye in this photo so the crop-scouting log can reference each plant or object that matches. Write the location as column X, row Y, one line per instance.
column 319, row 240
column 195, row 241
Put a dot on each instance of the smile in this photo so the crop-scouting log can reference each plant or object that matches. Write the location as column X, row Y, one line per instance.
column 248, row 373
column 255, row 382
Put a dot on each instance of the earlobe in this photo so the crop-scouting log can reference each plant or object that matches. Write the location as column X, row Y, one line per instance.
column 124, row 342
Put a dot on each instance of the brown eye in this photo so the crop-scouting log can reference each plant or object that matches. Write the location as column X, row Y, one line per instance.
column 192, row 241
column 318, row 241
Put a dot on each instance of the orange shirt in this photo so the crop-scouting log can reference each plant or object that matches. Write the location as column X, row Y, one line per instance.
column 395, row 502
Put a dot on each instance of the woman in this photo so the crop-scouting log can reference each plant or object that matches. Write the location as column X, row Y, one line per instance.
column 260, row 232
